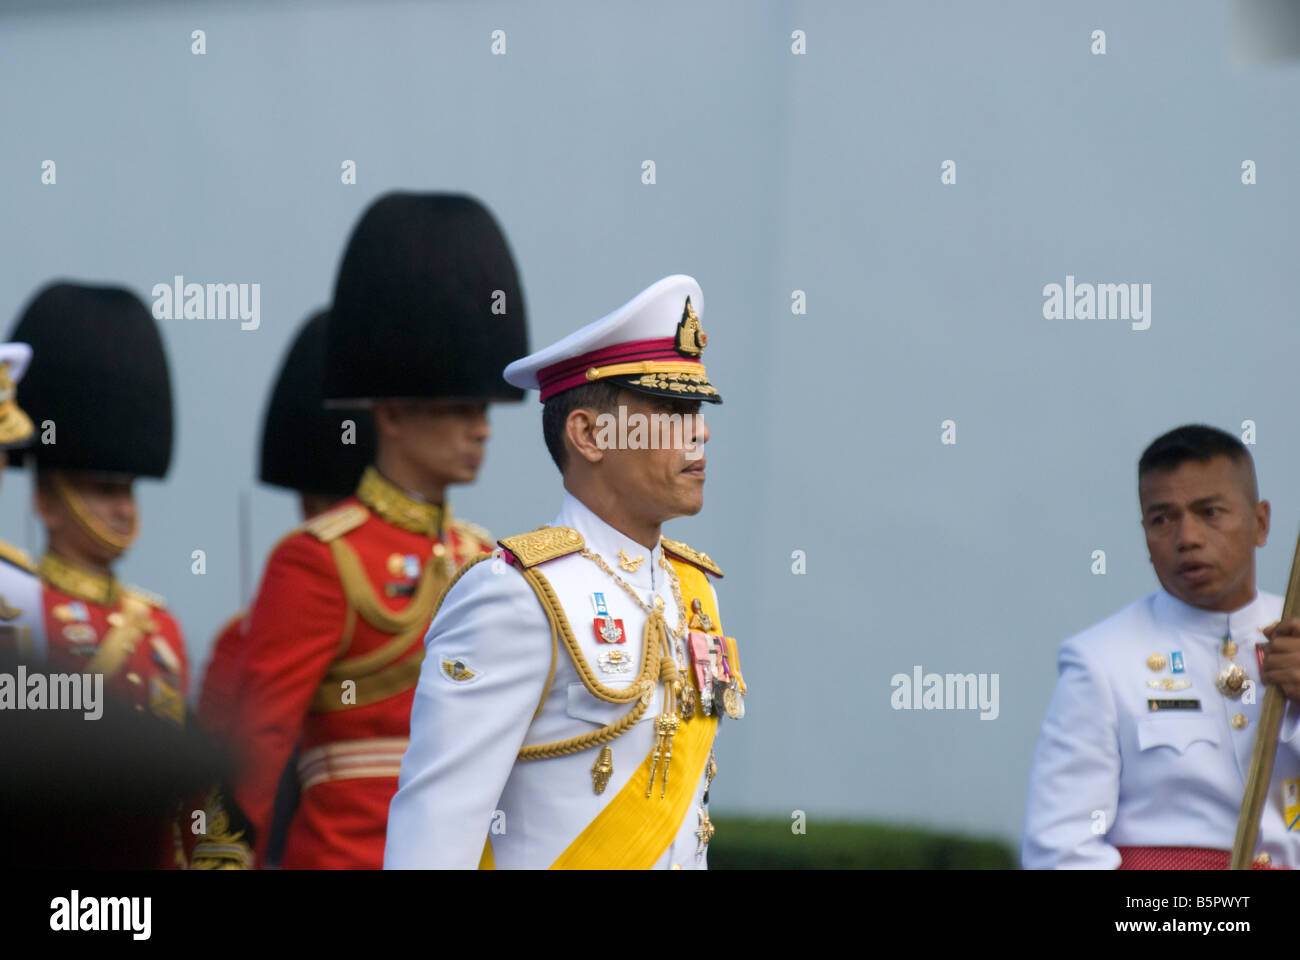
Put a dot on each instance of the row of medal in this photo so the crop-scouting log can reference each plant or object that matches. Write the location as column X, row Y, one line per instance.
column 164, row 686
column 1231, row 680
column 714, row 662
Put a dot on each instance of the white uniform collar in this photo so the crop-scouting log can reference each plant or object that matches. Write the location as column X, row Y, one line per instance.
column 603, row 539
column 1210, row 623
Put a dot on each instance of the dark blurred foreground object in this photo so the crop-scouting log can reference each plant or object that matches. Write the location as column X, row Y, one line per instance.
column 111, row 793
column 743, row 843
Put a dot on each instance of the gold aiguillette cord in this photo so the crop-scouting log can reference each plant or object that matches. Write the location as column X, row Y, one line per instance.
column 667, row 722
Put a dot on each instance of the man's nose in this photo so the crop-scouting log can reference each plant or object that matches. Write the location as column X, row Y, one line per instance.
column 701, row 429
column 1190, row 532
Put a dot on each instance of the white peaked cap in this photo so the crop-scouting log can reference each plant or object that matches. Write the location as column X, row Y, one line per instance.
column 652, row 343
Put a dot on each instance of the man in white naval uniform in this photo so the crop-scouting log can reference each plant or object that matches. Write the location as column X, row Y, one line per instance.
column 1143, row 756
column 497, row 685
column 22, row 614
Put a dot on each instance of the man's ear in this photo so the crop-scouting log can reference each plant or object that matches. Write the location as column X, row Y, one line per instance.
column 387, row 417
column 1263, row 511
column 582, row 433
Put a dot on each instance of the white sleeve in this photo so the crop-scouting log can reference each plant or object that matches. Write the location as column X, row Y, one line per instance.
column 1074, row 781
column 465, row 733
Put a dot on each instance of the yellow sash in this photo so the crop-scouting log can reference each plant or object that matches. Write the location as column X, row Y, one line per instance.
column 633, row 830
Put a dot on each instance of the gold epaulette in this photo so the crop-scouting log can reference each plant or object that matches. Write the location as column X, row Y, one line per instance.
column 332, row 524
column 148, row 596
column 544, row 543
column 701, row 560
column 474, row 535
column 17, row 557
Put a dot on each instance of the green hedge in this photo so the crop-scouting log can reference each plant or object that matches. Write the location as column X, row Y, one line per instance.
column 746, row 843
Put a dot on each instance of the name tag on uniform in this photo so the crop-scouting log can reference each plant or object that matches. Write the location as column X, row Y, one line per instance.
column 1183, row 703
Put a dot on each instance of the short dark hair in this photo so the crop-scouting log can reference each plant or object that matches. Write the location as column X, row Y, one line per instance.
column 599, row 395
column 1199, row 443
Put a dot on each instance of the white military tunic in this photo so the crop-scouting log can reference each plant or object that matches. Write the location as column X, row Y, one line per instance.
column 1111, row 772
column 22, row 611
column 459, row 781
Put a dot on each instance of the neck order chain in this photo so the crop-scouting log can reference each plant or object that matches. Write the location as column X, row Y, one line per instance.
column 679, row 701
column 687, row 701
column 676, row 634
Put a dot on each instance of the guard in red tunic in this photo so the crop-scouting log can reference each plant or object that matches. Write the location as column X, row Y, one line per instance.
column 100, row 391
column 320, row 455
column 427, row 309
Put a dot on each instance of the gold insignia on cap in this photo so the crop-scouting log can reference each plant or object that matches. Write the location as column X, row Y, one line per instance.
column 1156, row 661
column 457, row 670
column 15, row 425
column 691, row 339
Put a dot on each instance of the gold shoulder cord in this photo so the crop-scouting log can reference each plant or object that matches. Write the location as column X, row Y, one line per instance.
column 641, row 690
column 379, row 673
column 130, row 625
column 654, row 667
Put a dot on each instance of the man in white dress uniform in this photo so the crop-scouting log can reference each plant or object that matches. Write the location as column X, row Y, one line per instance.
column 574, row 680
column 1143, row 756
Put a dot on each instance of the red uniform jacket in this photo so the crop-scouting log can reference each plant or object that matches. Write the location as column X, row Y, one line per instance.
column 218, row 694
column 95, row 624
column 329, row 664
